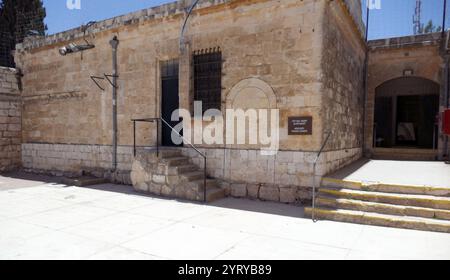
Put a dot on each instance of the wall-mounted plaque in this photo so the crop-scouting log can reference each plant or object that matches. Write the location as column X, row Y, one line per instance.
column 300, row 125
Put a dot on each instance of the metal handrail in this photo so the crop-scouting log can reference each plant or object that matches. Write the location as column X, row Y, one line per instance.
column 314, row 176
column 163, row 121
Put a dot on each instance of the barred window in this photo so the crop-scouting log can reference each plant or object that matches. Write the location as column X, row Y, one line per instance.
column 208, row 78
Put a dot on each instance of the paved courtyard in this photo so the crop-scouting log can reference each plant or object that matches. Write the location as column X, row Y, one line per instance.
column 416, row 173
column 41, row 219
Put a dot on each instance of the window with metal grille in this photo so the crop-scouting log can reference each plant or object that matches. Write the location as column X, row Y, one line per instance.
column 208, row 78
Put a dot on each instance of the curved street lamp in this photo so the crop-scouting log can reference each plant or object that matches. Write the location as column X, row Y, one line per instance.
column 183, row 29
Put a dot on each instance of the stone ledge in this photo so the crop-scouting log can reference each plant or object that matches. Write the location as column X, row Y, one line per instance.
column 268, row 192
column 166, row 10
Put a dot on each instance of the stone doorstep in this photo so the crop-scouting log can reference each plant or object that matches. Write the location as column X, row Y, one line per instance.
column 375, row 219
column 387, row 188
column 382, row 208
column 390, row 198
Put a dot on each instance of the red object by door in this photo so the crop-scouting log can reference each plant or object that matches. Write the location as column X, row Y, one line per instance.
column 446, row 122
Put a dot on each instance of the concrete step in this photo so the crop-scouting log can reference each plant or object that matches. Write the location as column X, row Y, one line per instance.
column 381, row 208
column 426, row 201
column 375, row 219
column 387, row 188
column 84, row 181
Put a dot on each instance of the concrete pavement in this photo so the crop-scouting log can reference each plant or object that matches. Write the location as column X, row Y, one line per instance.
column 41, row 219
column 415, row 173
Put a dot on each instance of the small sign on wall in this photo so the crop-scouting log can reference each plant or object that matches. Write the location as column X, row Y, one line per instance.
column 300, row 125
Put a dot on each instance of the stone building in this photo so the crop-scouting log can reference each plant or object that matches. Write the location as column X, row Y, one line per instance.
column 405, row 94
column 304, row 58
column 10, row 122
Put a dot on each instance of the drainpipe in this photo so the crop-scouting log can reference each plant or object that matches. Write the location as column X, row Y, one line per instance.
column 365, row 82
column 114, row 44
column 447, row 97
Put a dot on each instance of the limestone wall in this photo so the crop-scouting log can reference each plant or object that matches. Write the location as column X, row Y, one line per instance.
column 342, row 83
column 10, row 120
column 72, row 160
column 62, row 104
column 354, row 8
column 286, row 169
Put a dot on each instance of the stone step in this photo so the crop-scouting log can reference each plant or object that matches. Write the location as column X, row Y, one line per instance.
column 176, row 161
column 375, row 219
column 210, row 184
column 214, row 194
column 426, row 201
column 387, row 188
column 381, row 208
column 168, row 153
column 185, row 168
column 193, row 176
column 404, row 154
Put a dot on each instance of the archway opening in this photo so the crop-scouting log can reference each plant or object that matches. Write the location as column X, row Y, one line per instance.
column 406, row 114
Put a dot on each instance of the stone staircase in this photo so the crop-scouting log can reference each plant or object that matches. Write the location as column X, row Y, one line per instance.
column 410, row 207
column 172, row 175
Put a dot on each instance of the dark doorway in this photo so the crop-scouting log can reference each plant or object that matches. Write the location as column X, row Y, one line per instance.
column 170, row 99
column 405, row 114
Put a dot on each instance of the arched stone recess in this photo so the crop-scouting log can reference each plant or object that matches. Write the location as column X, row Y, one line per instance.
column 251, row 93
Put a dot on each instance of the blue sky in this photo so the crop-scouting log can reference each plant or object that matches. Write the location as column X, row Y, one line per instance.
column 394, row 18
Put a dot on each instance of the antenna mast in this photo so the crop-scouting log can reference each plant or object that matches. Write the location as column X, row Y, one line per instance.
column 418, row 26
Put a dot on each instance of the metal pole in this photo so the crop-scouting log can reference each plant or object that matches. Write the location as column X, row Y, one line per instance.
column 204, row 182
column 157, row 137
column 365, row 79
column 134, row 138
column 114, row 44
column 367, row 20
column 444, row 19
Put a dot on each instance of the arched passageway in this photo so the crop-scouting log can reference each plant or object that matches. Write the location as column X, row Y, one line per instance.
column 406, row 111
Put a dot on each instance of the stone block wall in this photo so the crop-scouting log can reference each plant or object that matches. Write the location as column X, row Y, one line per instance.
column 75, row 160
column 62, row 104
column 286, row 177
column 342, row 80
column 10, row 120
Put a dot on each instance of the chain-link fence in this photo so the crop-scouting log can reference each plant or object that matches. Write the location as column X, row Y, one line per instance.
column 28, row 24
column 396, row 18
column 15, row 25
column 6, row 47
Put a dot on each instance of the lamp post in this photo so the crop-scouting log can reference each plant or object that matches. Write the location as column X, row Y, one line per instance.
column 183, row 29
